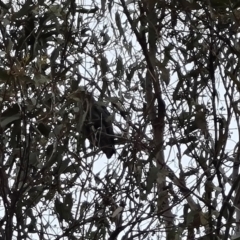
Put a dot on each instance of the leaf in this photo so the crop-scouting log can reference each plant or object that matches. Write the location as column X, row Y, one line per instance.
column 119, row 24
column 44, row 129
column 217, row 189
column 50, row 194
column 117, row 211
column 182, row 117
column 167, row 54
column 4, row 76
column 77, row 95
column 68, row 201
column 73, row 168
column 184, row 52
column 220, row 3
column 174, row 16
column 33, row 159
column 58, row 129
column 116, row 84
column 236, row 236
column 4, row 6
column 56, row 9
column 209, row 187
column 105, row 85
column 9, row 46
column 128, row 46
column 110, row 5
column 10, row 111
column 190, row 127
column 15, row 134
column 103, row 5
column 64, row 208
column 191, row 148
column 129, row 2
column 106, row 39
column 161, row 175
column 32, row 225
column 59, row 209
column 9, row 120
column 151, row 178
column 127, row 95
column 178, row 87
column 188, row 139
column 201, row 122
column 235, row 80
column 52, row 157
column 63, row 165
column 194, row 219
column 165, row 75
column 40, row 79
column 236, row 5
column 204, row 218
column 104, row 65
column 185, row 212
column 23, row 11
column 85, row 205
column 54, row 56
column 120, row 67
column 34, row 196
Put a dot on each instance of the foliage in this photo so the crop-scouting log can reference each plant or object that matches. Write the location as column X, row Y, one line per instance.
column 152, row 84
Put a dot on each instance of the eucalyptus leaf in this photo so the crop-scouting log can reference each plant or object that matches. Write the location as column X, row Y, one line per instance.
column 104, row 65
column 165, row 75
column 40, row 79
column 191, row 149
column 58, row 129
column 44, row 129
column 9, row 120
column 68, row 201
column 63, row 165
column 55, row 55
column 103, row 6
column 59, row 209
column 23, row 11
column 151, row 178
column 119, row 24
column 64, row 208
column 4, row 75
column 56, row 9
column 120, row 67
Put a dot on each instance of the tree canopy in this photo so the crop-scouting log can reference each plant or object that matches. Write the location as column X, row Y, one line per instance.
column 119, row 119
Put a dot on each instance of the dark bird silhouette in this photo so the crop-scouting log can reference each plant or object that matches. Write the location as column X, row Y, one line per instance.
column 100, row 119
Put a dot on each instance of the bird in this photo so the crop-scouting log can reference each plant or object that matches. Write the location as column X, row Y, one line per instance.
column 100, row 129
